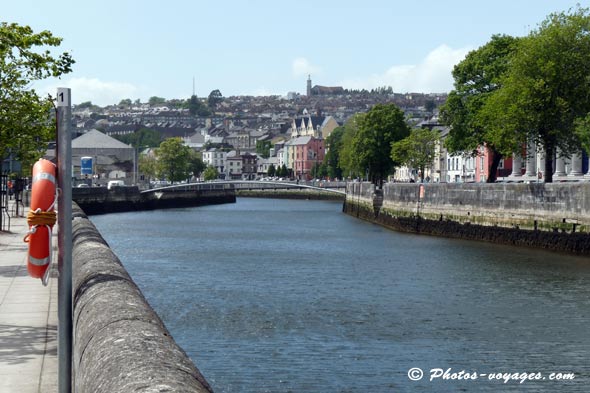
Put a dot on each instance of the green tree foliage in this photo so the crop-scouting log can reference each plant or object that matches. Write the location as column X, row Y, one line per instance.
column 210, row 173
column 263, row 148
column 319, row 170
column 147, row 165
column 282, row 171
column 348, row 161
column 125, row 103
column 85, row 105
column 197, row 108
column 155, row 100
column 144, row 137
column 332, row 158
column 214, row 99
column 271, row 170
column 545, row 93
column 430, row 106
column 173, row 160
column 197, row 166
column 476, row 78
column 370, row 148
column 417, row 150
column 25, row 128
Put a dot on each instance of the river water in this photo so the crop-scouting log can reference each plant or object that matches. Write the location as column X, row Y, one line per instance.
column 273, row 295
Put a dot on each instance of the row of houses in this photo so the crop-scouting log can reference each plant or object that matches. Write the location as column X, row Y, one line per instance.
column 528, row 166
column 298, row 155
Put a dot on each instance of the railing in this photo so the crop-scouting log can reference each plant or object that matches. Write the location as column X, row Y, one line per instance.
column 333, row 187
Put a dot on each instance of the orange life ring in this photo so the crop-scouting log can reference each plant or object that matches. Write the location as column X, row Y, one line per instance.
column 41, row 218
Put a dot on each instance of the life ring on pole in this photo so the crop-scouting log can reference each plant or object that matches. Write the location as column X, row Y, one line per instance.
column 41, row 219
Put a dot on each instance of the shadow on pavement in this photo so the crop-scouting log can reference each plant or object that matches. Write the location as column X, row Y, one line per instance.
column 19, row 344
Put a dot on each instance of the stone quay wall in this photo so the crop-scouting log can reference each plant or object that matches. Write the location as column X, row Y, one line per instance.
column 120, row 343
column 100, row 200
column 295, row 193
column 553, row 216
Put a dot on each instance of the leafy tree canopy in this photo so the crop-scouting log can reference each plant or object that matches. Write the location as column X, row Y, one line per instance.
column 370, row 147
column 25, row 128
column 332, row 158
column 214, row 99
column 154, row 101
column 144, row 137
column 417, row 150
column 476, row 78
column 173, row 160
column 210, row 173
column 545, row 92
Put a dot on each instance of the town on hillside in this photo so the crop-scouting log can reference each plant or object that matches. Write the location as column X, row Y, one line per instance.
column 242, row 137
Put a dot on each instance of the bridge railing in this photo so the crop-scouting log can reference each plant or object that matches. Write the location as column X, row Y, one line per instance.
column 251, row 184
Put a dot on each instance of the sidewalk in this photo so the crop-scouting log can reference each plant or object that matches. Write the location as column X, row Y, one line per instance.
column 28, row 319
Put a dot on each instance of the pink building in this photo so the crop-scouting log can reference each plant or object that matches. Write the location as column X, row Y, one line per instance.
column 308, row 151
column 483, row 162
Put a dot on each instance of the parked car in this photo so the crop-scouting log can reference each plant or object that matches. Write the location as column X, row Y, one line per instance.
column 115, row 183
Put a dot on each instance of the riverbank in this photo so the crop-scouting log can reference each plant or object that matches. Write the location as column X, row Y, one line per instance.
column 100, row 200
column 548, row 216
column 295, row 193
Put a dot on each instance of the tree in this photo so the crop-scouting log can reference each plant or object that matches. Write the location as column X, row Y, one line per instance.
column 196, row 107
column 476, row 78
column 125, row 102
column 332, row 158
column 148, row 166
column 154, row 100
column 348, row 161
column 319, row 170
column 429, row 106
column 196, row 164
column 282, row 171
column 25, row 128
column 214, row 99
column 210, row 173
column 271, row 170
column 263, row 148
column 417, row 150
column 545, row 93
column 371, row 145
column 144, row 137
column 173, row 160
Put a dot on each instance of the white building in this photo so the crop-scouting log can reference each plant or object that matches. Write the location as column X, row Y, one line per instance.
column 460, row 169
column 215, row 158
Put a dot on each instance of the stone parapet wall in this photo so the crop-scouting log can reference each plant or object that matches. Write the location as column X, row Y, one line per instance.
column 120, row 343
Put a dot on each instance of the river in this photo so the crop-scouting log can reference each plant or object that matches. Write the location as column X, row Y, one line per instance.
column 269, row 295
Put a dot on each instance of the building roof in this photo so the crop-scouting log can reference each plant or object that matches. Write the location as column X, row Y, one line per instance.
column 302, row 140
column 96, row 139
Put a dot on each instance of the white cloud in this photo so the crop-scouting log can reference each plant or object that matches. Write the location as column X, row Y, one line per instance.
column 302, row 66
column 98, row 92
column 432, row 75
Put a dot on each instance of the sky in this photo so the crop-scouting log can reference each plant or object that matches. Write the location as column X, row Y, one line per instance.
column 139, row 49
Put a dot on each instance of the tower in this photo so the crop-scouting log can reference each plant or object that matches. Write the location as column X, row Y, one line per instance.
column 309, row 85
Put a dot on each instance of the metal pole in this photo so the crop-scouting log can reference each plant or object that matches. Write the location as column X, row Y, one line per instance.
column 64, row 239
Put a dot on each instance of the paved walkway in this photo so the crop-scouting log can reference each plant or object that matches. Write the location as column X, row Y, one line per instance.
column 28, row 319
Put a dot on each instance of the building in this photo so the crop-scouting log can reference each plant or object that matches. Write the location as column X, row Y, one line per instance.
column 215, row 158
column 112, row 159
column 316, row 126
column 306, row 152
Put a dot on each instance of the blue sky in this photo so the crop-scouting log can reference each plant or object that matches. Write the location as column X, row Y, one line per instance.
column 138, row 49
